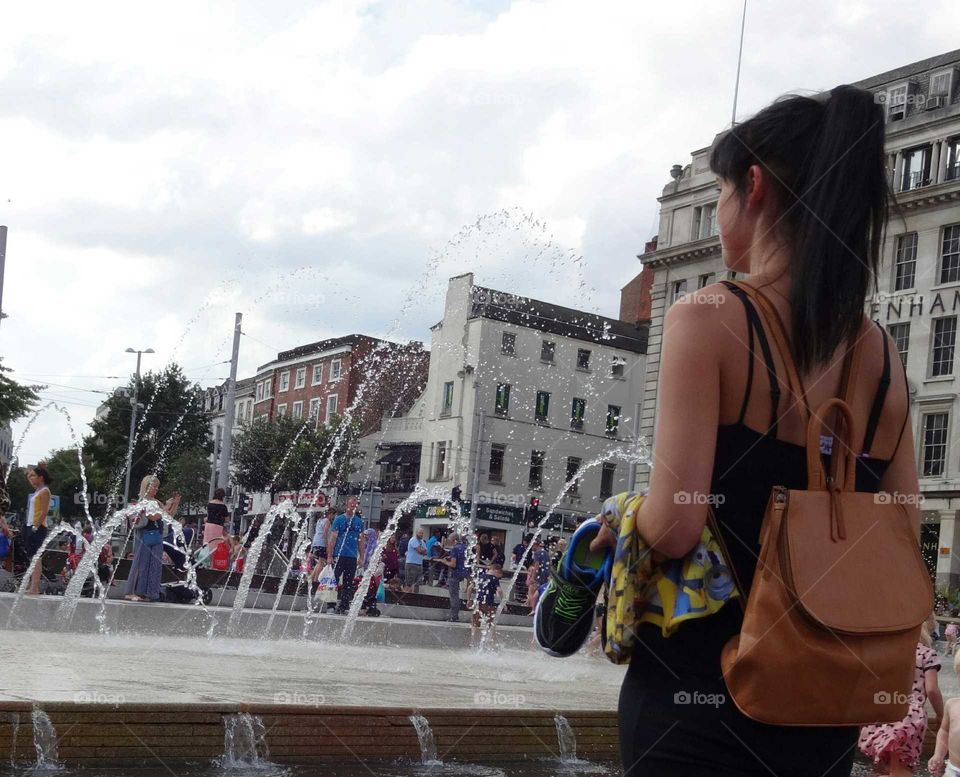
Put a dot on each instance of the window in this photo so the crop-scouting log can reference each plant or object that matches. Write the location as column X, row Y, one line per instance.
column 334, row 370
column 297, row 410
column 905, row 263
column 503, row 399
column 315, row 408
column 441, row 461
column 934, row 446
column 704, row 221
column 281, row 411
column 583, row 359
column 508, row 344
column 317, row 375
column 547, row 351
column 268, row 389
column 617, row 367
column 536, row 470
column 901, row 336
column 940, row 84
column 259, row 392
column 679, row 289
column 607, row 475
column 543, row 407
column 897, row 102
column 613, row 419
column 952, row 150
column 916, row 168
column 944, row 340
column 301, row 378
column 284, row 380
column 496, row 463
column 573, row 466
column 705, row 280
column 447, row 406
column 331, row 407
column 709, row 221
column 577, row 412
column 950, row 254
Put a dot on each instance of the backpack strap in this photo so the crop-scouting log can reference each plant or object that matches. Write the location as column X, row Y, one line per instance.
column 879, row 397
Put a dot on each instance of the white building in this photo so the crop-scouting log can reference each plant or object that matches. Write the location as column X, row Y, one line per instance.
column 6, row 445
column 919, row 283
column 214, row 403
column 520, row 395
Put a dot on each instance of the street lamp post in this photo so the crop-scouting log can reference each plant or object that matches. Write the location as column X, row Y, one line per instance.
column 133, row 423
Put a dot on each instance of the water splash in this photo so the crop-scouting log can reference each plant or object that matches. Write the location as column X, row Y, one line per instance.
column 418, row 495
column 15, row 729
column 428, row 747
column 45, row 742
column 244, row 743
column 285, row 510
column 566, row 739
column 639, row 454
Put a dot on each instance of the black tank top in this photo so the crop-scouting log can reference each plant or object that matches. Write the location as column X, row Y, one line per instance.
column 747, row 465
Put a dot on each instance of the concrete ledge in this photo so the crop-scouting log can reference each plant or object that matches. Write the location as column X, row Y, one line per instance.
column 142, row 734
column 43, row 614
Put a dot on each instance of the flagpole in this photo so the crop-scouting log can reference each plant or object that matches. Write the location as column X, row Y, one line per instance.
column 736, row 85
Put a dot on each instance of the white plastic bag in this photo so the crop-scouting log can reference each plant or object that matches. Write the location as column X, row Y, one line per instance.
column 327, row 586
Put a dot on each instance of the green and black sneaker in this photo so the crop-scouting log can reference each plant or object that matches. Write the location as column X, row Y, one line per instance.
column 564, row 616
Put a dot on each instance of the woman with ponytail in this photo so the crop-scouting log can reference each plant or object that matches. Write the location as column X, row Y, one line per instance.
column 802, row 206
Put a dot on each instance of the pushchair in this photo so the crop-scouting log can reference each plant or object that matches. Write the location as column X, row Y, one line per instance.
column 373, row 595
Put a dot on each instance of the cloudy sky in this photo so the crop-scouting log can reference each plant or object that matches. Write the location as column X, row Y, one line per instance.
column 323, row 167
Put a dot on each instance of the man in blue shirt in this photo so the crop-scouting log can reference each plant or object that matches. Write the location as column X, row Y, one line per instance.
column 347, row 543
column 413, row 568
column 457, row 561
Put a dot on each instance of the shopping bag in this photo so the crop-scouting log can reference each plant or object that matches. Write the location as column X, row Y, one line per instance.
column 327, row 586
column 381, row 593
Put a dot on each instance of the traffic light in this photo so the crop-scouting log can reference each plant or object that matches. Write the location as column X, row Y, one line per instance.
column 455, row 494
column 533, row 511
column 245, row 503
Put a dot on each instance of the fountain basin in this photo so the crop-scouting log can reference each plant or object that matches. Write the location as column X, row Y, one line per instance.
column 148, row 734
column 155, row 685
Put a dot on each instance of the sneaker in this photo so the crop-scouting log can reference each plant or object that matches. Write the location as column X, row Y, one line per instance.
column 564, row 617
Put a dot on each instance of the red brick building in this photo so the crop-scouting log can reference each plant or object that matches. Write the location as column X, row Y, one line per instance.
column 635, row 299
column 321, row 380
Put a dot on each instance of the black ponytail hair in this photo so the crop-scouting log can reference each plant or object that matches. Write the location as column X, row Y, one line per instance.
column 826, row 165
column 40, row 470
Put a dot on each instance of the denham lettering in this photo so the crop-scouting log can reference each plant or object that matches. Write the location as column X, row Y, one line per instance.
column 910, row 305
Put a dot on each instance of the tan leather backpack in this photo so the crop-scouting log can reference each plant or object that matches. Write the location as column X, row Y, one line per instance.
column 832, row 620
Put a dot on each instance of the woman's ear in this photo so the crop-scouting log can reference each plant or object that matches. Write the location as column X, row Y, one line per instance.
column 757, row 188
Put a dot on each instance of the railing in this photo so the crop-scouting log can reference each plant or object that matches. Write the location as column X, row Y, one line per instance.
column 915, row 180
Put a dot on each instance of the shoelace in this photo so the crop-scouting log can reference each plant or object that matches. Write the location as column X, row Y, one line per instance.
column 571, row 599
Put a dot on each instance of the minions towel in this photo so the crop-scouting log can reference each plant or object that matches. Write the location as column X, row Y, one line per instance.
column 666, row 594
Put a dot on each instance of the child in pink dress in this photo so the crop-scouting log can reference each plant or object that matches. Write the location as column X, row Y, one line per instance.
column 895, row 747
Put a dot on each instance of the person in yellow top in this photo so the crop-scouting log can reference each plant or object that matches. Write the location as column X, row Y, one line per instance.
column 35, row 523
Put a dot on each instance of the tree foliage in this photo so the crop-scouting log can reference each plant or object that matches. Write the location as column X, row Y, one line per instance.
column 264, row 449
column 189, row 474
column 16, row 399
column 65, row 480
column 175, row 422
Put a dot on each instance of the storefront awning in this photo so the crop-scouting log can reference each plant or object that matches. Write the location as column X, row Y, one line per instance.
column 402, row 456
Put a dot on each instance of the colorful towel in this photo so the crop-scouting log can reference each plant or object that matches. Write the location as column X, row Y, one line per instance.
column 665, row 594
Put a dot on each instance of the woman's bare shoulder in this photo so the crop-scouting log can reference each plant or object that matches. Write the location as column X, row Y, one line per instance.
column 713, row 313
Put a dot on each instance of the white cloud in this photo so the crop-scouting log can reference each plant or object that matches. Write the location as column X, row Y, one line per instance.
column 164, row 166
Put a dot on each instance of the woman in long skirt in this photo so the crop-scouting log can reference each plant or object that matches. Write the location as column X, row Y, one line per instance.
column 147, row 567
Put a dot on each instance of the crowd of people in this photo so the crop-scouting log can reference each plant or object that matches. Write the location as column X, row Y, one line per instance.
column 342, row 546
